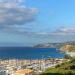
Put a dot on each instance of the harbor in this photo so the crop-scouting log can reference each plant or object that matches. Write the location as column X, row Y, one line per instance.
column 28, row 61
column 11, row 66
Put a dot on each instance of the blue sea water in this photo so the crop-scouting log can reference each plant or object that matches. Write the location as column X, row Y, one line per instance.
column 29, row 53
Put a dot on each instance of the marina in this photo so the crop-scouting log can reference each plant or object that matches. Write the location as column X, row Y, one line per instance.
column 9, row 67
column 38, row 60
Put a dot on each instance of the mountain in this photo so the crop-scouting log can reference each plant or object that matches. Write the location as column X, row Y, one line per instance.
column 70, row 46
column 49, row 45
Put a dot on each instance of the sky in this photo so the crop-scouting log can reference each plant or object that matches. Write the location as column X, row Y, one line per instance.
column 30, row 22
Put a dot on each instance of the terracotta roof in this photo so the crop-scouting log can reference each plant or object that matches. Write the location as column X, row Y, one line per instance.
column 24, row 71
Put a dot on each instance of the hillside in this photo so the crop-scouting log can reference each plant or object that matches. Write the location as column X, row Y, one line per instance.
column 70, row 48
column 66, row 68
column 66, row 46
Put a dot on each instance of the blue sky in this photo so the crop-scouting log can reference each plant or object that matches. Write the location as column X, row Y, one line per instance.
column 29, row 22
column 54, row 13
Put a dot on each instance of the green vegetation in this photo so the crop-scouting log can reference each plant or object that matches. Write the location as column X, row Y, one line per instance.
column 66, row 68
column 67, row 56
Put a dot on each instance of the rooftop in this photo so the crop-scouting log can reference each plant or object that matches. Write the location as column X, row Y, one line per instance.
column 24, row 71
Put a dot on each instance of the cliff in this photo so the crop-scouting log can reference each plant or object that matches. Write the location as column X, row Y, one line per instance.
column 70, row 48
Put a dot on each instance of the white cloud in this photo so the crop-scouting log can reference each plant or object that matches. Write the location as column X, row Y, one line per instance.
column 59, row 31
column 11, row 13
column 66, row 30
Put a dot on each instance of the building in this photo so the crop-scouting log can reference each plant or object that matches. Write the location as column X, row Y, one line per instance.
column 24, row 72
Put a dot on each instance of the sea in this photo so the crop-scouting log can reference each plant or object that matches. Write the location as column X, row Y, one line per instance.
column 29, row 53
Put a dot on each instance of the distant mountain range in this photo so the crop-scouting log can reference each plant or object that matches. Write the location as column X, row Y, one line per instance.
column 49, row 45
column 70, row 46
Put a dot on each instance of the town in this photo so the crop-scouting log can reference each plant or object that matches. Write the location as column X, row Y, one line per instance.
column 27, row 67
